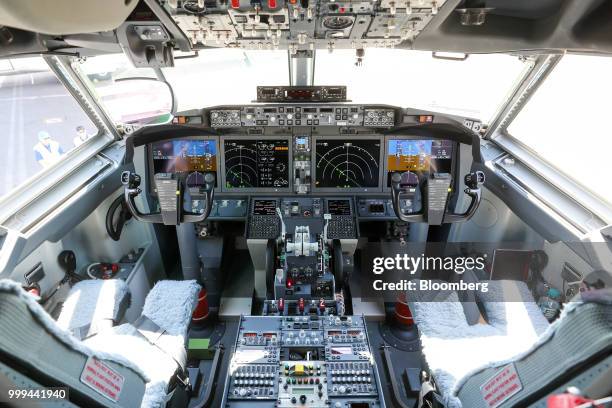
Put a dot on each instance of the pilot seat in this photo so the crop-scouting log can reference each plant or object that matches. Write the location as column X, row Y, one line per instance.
column 133, row 364
column 515, row 346
column 94, row 305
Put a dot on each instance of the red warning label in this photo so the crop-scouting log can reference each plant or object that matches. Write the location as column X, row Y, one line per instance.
column 503, row 385
column 102, row 379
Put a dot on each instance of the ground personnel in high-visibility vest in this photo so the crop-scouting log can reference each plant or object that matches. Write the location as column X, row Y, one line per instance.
column 47, row 151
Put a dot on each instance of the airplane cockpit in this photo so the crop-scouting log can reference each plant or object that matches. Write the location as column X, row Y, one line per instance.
column 305, row 203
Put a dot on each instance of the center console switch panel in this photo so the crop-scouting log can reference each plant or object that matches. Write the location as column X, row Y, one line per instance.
column 326, row 362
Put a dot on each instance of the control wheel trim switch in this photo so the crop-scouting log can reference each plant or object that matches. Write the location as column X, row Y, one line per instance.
column 435, row 193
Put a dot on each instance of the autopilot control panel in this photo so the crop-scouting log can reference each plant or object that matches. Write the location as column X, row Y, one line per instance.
column 303, row 361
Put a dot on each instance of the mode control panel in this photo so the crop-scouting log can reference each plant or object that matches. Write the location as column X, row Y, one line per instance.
column 225, row 118
column 379, row 117
column 339, row 115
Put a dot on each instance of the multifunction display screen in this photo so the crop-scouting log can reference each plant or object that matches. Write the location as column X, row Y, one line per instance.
column 256, row 163
column 177, row 156
column 419, row 156
column 339, row 207
column 264, row 207
column 347, row 163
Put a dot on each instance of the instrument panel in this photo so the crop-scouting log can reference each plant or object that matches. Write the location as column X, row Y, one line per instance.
column 302, row 149
column 357, row 164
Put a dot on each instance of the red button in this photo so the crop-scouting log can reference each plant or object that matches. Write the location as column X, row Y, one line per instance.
column 235, row 4
column 34, row 291
column 272, row 4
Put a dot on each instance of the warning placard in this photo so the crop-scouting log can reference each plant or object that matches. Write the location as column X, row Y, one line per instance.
column 102, row 379
column 503, row 385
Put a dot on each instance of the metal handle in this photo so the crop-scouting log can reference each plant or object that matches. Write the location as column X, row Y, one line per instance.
column 473, row 181
column 209, row 195
column 396, row 191
column 132, row 190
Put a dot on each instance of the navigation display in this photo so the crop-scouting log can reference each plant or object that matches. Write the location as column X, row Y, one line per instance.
column 419, row 156
column 347, row 163
column 176, row 156
column 256, row 163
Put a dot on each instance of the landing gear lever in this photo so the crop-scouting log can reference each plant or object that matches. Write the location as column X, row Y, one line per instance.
column 170, row 190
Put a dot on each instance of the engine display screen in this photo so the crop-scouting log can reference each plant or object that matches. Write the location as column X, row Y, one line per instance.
column 177, row 156
column 419, row 156
column 256, row 163
column 347, row 163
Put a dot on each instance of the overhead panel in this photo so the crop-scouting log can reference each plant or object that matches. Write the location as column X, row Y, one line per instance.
column 301, row 24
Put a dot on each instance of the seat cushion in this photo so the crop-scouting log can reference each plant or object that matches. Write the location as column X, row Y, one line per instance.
column 31, row 336
column 169, row 305
column 511, row 308
column 92, row 305
column 453, row 348
column 582, row 331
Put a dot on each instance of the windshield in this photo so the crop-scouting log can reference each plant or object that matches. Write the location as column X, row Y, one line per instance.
column 474, row 88
column 225, row 76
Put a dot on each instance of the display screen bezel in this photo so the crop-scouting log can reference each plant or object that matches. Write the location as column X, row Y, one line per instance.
column 289, row 187
column 150, row 160
column 381, row 168
column 415, row 137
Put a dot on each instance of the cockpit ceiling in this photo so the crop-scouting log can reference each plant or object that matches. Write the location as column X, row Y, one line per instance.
column 470, row 26
column 302, row 24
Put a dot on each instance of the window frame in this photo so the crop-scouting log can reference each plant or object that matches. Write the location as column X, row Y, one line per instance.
column 39, row 184
column 568, row 188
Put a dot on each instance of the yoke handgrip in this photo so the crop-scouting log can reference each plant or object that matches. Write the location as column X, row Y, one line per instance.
column 396, row 190
column 131, row 191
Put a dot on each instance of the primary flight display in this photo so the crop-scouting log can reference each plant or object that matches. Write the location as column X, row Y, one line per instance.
column 420, row 156
column 178, row 156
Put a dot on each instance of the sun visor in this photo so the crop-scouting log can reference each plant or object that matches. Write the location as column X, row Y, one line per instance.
column 60, row 17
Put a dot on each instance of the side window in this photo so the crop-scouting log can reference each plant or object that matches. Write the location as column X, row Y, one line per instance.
column 566, row 122
column 40, row 124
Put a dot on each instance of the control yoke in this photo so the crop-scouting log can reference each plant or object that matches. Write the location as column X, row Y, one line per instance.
column 435, row 193
column 170, row 191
